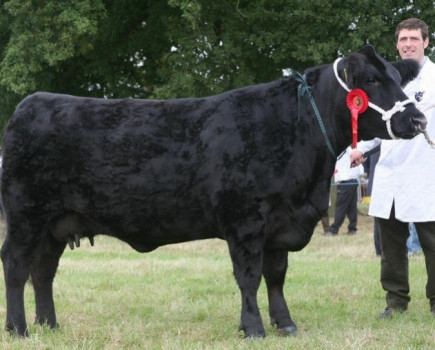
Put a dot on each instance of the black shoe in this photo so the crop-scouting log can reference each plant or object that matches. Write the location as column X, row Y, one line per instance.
column 389, row 311
column 329, row 233
column 432, row 310
column 351, row 232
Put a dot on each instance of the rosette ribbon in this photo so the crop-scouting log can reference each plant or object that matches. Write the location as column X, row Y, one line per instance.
column 357, row 101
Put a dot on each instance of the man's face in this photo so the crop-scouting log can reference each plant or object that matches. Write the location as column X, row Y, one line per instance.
column 410, row 44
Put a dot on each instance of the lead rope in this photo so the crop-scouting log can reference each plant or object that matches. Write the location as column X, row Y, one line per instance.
column 426, row 136
column 303, row 89
column 399, row 106
column 424, row 131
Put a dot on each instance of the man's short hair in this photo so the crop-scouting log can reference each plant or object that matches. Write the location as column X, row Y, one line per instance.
column 413, row 23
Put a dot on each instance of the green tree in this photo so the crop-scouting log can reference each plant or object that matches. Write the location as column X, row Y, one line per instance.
column 179, row 48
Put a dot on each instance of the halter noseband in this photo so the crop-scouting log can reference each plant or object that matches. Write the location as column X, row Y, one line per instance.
column 399, row 106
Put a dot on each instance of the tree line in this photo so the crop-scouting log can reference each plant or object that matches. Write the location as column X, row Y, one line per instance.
column 182, row 48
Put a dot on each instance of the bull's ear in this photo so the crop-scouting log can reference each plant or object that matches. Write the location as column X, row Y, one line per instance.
column 408, row 69
column 351, row 69
column 368, row 50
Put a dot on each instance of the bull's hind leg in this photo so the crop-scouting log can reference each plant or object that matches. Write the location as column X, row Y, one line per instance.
column 16, row 256
column 274, row 270
column 43, row 272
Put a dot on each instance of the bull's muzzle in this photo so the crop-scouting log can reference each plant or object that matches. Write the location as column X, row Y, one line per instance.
column 420, row 123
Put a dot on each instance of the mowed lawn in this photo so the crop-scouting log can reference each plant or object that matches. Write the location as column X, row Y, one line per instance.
column 184, row 296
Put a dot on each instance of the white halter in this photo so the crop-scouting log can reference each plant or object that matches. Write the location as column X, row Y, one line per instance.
column 399, row 106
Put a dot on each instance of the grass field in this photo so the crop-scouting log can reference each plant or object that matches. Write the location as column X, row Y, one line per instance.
column 184, row 297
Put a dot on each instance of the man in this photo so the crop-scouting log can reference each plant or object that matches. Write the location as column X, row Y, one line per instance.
column 347, row 181
column 404, row 185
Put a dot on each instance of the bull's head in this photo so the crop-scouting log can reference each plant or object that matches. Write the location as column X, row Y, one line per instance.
column 383, row 82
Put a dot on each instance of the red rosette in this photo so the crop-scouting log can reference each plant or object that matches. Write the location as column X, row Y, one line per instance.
column 357, row 101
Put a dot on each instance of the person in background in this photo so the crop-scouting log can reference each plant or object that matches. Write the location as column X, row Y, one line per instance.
column 413, row 243
column 325, row 218
column 347, row 181
column 403, row 186
column 325, row 222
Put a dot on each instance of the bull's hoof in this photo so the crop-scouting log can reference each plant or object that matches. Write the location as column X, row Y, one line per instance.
column 287, row 331
column 253, row 334
column 21, row 333
column 44, row 322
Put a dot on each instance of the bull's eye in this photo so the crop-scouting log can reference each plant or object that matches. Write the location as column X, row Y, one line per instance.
column 371, row 80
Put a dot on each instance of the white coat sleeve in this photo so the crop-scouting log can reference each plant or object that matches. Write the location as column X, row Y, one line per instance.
column 365, row 146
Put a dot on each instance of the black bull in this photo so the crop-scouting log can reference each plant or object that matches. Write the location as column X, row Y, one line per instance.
column 249, row 166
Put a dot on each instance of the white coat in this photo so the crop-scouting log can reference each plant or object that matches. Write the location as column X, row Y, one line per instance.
column 405, row 172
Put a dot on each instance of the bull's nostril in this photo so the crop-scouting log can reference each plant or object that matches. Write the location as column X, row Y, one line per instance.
column 420, row 122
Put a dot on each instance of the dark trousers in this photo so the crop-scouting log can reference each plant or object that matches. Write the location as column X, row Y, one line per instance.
column 376, row 238
column 346, row 205
column 394, row 259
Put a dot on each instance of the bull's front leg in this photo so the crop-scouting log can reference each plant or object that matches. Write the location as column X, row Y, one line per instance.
column 274, row 271
column 247, row 258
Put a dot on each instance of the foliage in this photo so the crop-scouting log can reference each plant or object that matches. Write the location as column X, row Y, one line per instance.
column 179, row 48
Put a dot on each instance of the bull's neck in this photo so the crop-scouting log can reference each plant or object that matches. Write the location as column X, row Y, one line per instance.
column 304, row 92
column 331, row 100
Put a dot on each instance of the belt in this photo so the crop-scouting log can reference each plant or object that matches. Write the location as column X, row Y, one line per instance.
column 347, row 181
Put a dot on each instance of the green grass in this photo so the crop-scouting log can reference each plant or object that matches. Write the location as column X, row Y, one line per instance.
column 184, row 297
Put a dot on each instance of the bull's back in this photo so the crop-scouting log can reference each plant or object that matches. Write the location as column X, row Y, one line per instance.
column 131, row 164
column 145, row 166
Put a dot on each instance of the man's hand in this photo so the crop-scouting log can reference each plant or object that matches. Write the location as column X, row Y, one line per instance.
column 356, row 158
